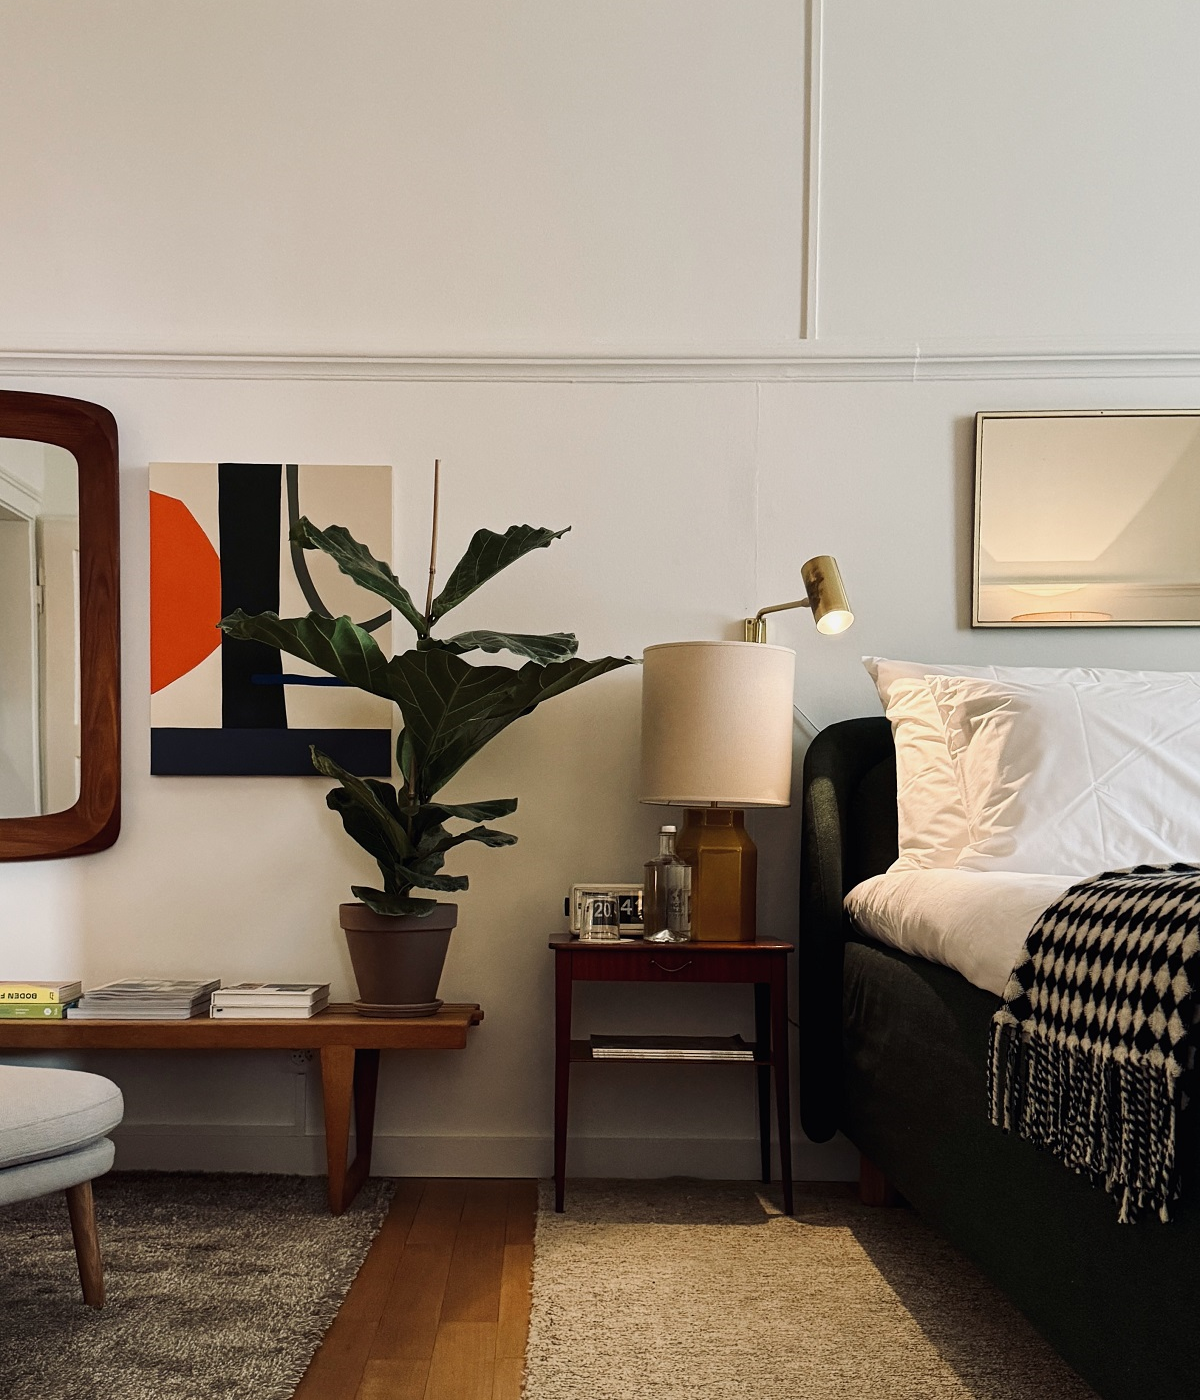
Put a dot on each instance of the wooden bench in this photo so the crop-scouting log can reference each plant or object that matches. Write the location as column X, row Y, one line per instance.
column 348, row 1044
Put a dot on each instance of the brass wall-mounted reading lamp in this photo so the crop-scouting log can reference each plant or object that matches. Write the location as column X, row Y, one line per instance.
column 826, row 596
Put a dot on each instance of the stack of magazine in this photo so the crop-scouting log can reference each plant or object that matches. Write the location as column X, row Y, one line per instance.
column 280, row 1001
column 670, row 1047
column 37, row 1001
column 145, row 1000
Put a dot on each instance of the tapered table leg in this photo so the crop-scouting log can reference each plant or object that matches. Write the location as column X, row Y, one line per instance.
column 781, row 1056
column 762, row 1071
column 366, row 1082
column 81, row 1207
column 348, row 1080
column 562, row 1071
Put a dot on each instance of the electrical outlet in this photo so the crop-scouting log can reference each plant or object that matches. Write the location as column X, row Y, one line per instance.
column 300, row 1060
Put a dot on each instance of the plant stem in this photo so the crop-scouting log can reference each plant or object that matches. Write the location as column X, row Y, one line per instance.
column 437, row 474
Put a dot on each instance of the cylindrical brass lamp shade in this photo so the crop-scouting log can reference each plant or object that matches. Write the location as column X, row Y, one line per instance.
column 717, row 724
column 826, row 594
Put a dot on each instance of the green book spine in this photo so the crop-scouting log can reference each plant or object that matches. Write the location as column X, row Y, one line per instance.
column 33, row 1011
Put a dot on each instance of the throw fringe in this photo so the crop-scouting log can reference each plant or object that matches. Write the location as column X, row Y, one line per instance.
column 1111, row 1120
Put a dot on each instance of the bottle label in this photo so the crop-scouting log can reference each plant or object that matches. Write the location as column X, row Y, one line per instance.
column 679, row 909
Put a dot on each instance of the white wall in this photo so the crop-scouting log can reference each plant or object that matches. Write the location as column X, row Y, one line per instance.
column 594, row 216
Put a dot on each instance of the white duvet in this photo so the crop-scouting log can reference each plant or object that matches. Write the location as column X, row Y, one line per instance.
column 971, row 920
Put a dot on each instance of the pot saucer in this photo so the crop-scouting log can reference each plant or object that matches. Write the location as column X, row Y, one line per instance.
column 401, row 1012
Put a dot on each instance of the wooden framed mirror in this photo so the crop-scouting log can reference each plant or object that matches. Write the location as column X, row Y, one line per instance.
column 60, row 722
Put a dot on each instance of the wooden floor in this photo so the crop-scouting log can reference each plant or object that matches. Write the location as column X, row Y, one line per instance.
column 440, row 1307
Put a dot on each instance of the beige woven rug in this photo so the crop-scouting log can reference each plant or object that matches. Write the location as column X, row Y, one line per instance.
column 685, row 1290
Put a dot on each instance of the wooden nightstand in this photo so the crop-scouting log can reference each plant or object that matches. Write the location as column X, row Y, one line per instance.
column 762, row 964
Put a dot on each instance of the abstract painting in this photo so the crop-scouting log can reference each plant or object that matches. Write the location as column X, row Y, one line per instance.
column 219, row 541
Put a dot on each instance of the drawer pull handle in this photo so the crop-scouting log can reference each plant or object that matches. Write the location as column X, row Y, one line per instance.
column 662, row 967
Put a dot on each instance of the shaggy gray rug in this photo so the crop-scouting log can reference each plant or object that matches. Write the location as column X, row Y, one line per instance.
column 219, row 1287
column 695, row 1290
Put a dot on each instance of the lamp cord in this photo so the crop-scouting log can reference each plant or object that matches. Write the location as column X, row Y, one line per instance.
column 816, row 728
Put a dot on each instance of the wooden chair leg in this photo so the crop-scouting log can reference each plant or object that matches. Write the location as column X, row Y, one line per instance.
column 874, row 1189
column 82, row 1209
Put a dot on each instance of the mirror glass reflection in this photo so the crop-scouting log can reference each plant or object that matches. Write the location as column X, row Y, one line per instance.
column 39, row 628
column 1087, row 519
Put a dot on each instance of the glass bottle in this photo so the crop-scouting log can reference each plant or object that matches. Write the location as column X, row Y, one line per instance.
column 667, row 897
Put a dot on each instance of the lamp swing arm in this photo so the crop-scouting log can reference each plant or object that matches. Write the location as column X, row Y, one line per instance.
column 756, row 626
column 825, row 595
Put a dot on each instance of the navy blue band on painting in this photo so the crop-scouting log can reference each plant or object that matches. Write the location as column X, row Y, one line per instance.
column 267, row 752
column 288, row 679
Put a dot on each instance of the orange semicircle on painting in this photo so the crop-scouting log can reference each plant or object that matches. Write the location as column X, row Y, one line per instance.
column 185, row 592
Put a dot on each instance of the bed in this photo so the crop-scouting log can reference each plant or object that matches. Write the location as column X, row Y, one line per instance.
column 893, row 1053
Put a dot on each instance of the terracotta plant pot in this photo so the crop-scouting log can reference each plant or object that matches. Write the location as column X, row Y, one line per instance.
column 397, row 960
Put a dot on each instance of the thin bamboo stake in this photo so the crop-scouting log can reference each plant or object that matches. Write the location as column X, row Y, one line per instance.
column 437, row 474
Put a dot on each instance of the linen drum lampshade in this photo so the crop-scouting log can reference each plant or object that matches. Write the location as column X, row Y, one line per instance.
column 717, row 724
column 717, row 738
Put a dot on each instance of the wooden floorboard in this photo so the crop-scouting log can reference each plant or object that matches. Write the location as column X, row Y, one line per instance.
column 440, row 1307
column 464, row 1362
column 477, row 1265
column 396, row 1380
column 510, row 1372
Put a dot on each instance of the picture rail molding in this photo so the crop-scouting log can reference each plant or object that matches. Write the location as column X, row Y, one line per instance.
column 794, row 362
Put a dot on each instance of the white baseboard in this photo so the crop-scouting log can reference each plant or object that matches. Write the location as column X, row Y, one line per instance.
column 220, row 1148
column 261, row 1148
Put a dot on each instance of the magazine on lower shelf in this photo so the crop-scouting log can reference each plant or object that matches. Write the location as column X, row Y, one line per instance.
column 671, row 1047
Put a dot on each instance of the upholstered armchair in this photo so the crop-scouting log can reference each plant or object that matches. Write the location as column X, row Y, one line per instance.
column 53, row 1126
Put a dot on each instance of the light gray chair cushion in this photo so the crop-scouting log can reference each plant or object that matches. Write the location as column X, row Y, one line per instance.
column 47, row 1112
column 33, row 1179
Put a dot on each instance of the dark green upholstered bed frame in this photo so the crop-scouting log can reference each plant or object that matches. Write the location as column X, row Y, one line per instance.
column 893, row 1052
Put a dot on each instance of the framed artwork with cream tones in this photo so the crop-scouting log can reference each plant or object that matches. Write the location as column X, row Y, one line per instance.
column 1087, row 518
column 219, row 541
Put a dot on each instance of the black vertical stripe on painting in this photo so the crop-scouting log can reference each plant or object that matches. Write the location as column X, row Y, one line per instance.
column 248, row 510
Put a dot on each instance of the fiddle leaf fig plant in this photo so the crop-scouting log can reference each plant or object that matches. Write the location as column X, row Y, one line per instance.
column 450, row 708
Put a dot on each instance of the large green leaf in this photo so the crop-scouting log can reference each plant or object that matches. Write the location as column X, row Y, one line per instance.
column 357, row 562
column 380, row 902
column 552, row 646
column 363, row 826
column 486, row 555
column 539, row 683
column 468, row 811
column 335, row 644
column 452, row 709
column 370, row 806
column 445, row 702
column 444, row 884
column 438, row 839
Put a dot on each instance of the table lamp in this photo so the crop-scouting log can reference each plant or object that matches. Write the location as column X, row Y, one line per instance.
column 717, row 738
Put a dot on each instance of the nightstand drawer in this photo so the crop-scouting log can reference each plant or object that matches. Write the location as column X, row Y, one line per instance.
column 680, row 963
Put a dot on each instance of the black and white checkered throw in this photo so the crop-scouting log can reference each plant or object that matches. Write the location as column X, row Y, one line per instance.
column 1090, row 1045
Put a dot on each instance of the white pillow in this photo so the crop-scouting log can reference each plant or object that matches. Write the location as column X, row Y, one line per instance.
column 1075, row 779
column 931, row 818
column 931, row 821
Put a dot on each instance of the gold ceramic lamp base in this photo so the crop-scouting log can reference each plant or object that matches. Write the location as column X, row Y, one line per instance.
column 724, row 862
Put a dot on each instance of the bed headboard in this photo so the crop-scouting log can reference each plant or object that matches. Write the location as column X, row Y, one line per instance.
column 848, row 833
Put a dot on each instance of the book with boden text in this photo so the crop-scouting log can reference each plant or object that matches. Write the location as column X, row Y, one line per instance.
column 53, row 992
